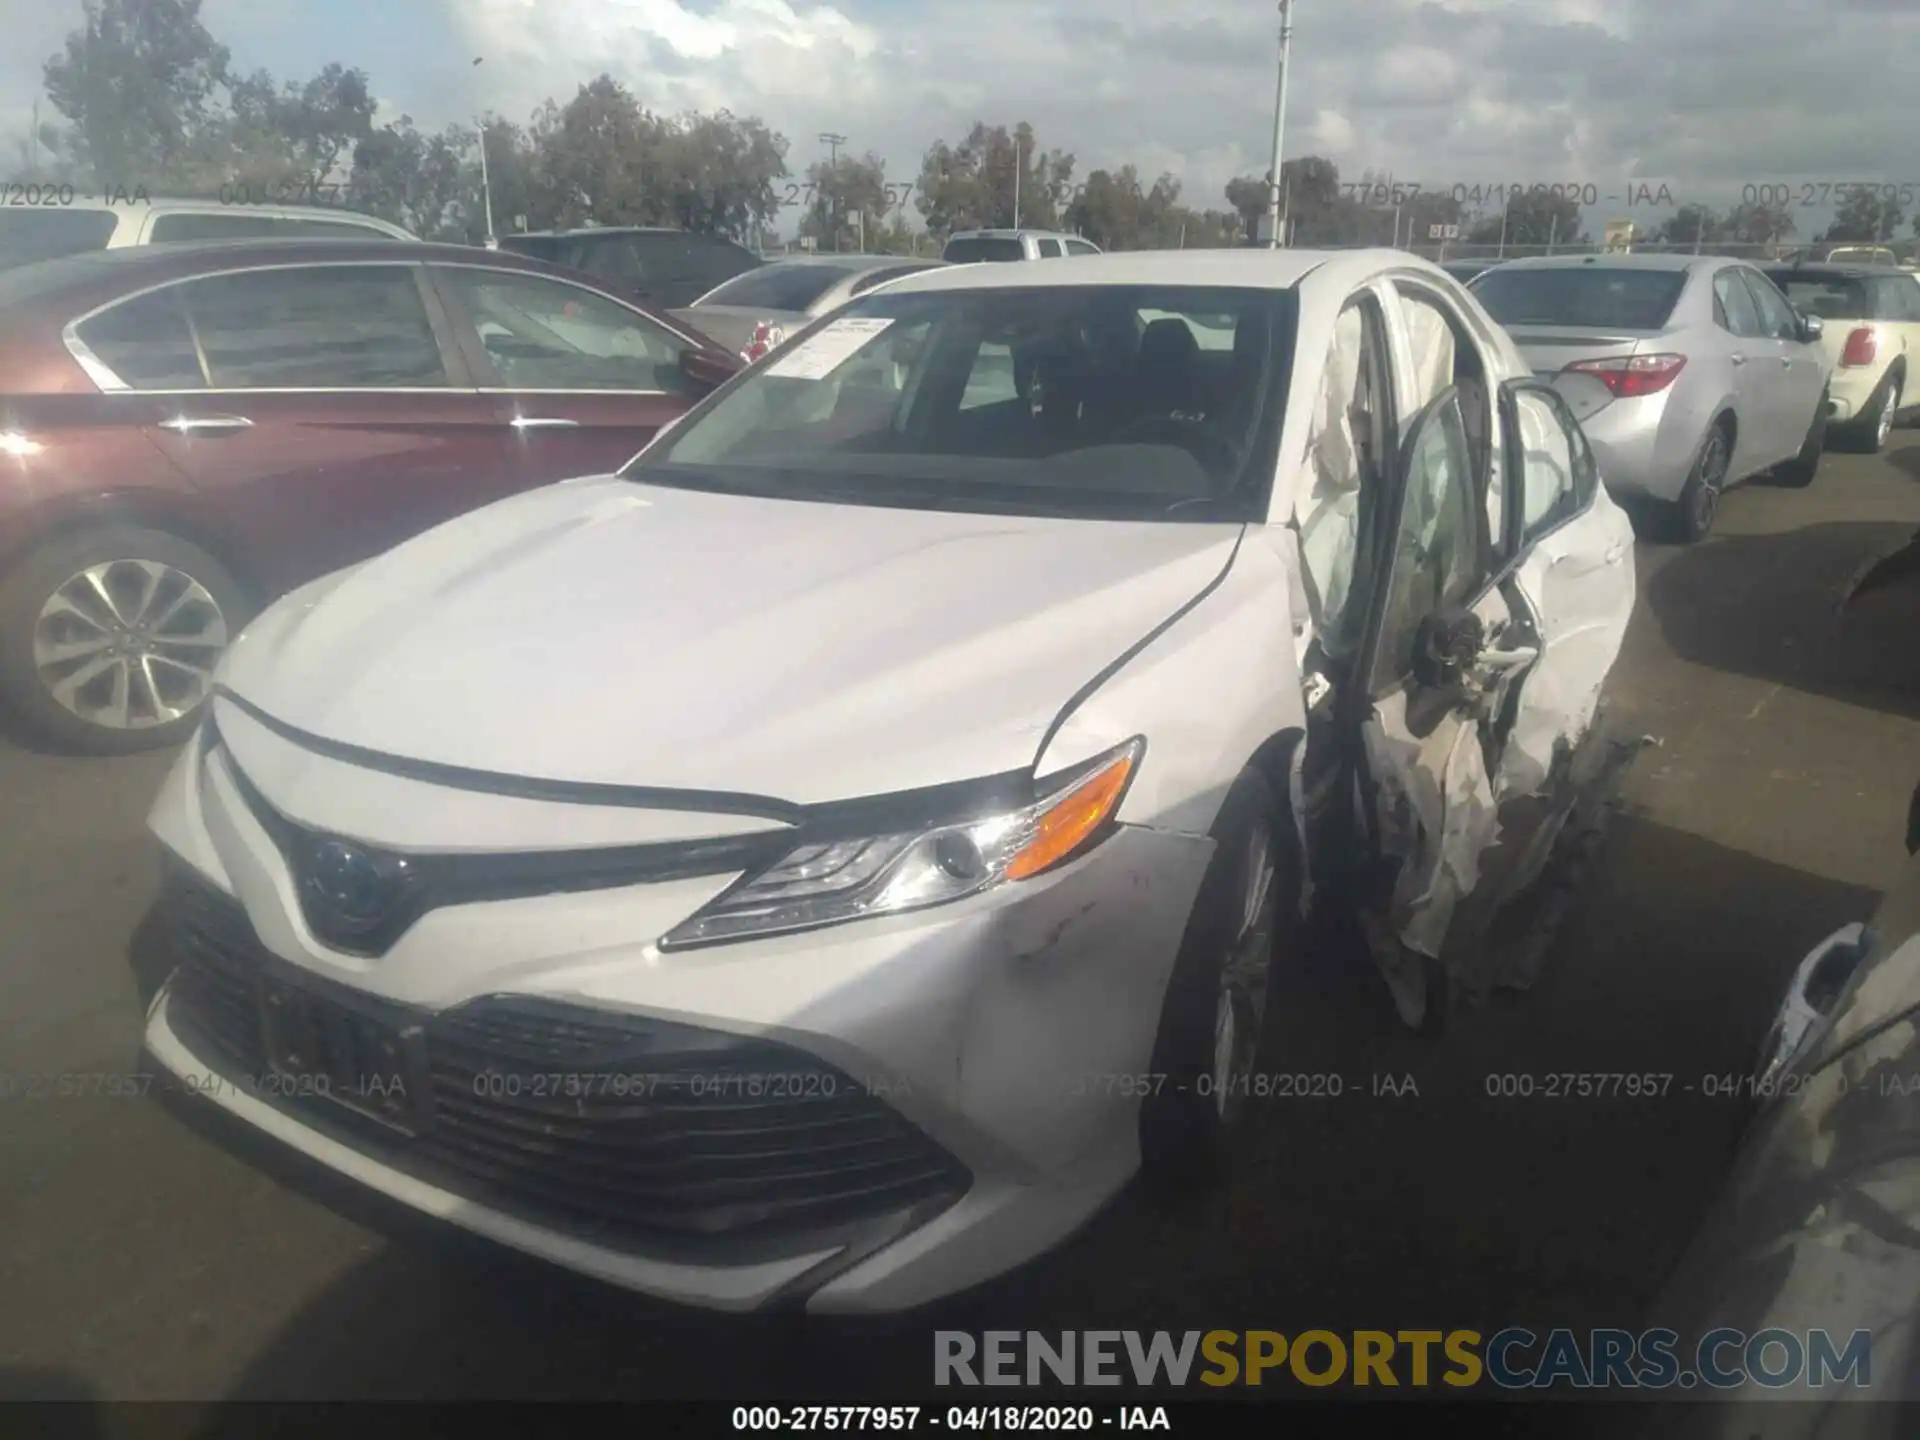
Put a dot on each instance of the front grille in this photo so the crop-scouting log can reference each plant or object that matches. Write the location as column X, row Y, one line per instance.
column 638, row 1134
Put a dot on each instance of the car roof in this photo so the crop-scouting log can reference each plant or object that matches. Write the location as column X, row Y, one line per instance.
column 844, row 262
column 1243, row 269
column 117, row 200
column 613, row 230
column 1616, row 261
column 1839, row 269
column 1013, row 235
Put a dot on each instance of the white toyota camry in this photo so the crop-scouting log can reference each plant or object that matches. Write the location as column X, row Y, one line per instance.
column 825, row 861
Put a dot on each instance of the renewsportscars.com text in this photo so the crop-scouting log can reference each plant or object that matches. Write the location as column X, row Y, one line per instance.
column 1510, row 1359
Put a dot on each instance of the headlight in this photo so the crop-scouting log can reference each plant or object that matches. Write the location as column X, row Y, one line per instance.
column 825, row 883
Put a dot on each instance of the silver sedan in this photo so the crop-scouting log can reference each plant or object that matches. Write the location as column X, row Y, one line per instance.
column 1689, row 373
column 761, row 308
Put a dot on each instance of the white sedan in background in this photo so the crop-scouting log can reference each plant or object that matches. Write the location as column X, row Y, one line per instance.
column 826, row 860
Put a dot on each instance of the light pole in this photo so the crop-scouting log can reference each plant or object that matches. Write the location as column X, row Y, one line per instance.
column 1279, row 125
column 833, row 143
column 486, row 185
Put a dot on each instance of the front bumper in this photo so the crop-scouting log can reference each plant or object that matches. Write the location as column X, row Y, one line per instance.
column 989, row 1041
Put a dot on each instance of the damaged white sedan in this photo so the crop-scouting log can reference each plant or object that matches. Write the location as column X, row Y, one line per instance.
column 822, row 863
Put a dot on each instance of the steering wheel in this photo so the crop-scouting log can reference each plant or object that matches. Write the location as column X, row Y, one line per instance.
column 1198, row 438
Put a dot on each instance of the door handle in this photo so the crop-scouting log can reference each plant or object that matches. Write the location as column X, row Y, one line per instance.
column 1615, row 551
column 543, row 422
column 206, row 424
column 1739, row 359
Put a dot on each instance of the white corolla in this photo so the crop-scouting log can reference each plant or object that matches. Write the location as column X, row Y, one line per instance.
column 826, row 860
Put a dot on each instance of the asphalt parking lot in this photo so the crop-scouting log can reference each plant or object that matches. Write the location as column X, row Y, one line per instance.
column 140, row 1259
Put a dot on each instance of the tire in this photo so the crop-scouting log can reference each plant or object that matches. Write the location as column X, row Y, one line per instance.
column 1225, row 965
column 1868, row 435
column 1798, row 472
column 152, row 666
column 1689, row 519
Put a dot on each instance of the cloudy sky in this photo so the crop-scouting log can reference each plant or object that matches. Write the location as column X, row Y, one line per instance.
column 1705, row 95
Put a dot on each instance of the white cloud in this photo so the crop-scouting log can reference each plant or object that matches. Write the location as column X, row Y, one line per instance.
column 1444, row 90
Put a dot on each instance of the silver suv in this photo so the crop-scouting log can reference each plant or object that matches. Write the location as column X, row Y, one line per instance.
column 62, row 223
column 965, row 247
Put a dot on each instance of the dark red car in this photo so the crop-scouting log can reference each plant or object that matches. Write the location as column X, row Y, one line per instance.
column 187, row 431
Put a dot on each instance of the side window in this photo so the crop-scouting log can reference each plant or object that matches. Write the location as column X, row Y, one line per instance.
column 1346, row 451
column 189, row 225
column 991, row 381
column 1776, row 315
column 613, row 260
column 335, row 327
column 146, row 342
column 1081, row 247
column 1733, row 305
column 328, row 229
column 1050, row 249
column 1436, row 552
column 544, row 334
column 1550, row 464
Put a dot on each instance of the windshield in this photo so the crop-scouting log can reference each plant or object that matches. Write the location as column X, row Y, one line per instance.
column 1829, row 297
column 983, row 247
column 1595, row 297
column 1095, row 401
column 28, row 235
column 778, row 287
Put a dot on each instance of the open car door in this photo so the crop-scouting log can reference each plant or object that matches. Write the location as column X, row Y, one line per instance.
column 1475, row 700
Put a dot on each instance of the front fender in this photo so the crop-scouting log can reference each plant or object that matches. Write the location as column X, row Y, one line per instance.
column 1209, row 693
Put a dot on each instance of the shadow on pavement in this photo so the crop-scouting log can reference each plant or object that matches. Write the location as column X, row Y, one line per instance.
column 1468, row 1193
column 55, row 1404
column 1768, row 606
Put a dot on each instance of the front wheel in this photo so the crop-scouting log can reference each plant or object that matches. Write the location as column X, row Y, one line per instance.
column 1215, row 1012
column 109, row 638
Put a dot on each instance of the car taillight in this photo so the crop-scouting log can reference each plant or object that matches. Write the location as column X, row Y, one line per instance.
column 1629, row 375
column 1862, row 346
column 766, row 337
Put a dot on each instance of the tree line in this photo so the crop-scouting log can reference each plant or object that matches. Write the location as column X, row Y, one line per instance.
column 147, row 96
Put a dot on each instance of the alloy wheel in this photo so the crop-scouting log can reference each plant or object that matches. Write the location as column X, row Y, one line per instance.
column 1241, row 1003
column 129, row 644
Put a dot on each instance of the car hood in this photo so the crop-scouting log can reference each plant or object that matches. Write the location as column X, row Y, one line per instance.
column 604, row 631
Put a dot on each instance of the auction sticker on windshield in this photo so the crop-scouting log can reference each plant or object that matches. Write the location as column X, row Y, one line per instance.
column 820, row 355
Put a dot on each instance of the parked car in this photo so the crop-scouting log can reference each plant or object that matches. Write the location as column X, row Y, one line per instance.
column 967, row 247
column 664, row 269
column 1689, row 373
column 1872, row 338
column 1861, row 255
column 880, row 761
column 758, row 309
column 191, row 430
column 30, row 232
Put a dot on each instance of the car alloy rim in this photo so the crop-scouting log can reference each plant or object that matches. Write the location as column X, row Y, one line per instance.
column 1713, row 470
column 129, row 644
column 1240, row 1007
column 1885, row 427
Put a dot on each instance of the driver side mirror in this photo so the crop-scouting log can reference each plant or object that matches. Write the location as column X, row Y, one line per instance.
column 1811, row 327
column 1447, row 646
column 708, row 370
